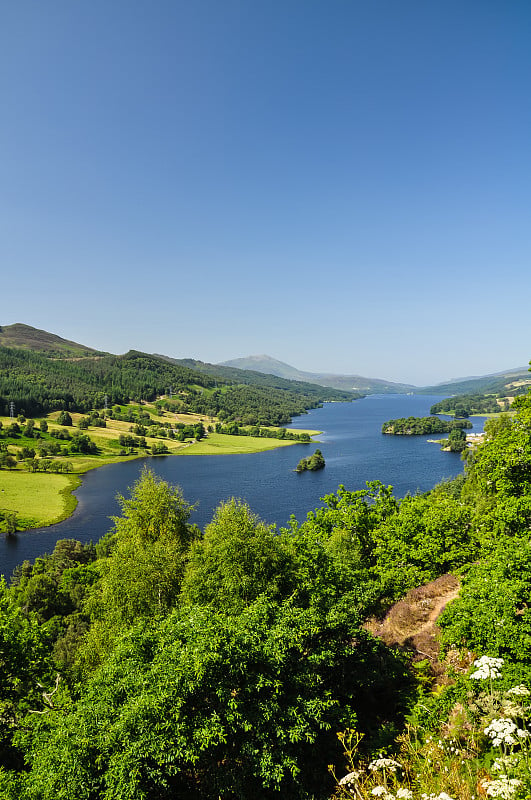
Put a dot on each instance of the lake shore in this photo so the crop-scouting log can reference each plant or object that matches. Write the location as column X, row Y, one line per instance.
column 42, row 499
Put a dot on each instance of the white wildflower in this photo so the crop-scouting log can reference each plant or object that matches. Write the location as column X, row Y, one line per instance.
column 352, row 777
column 520, row 691
column 522, row 734
column 441, row 796
column 501, row 731
column 487, row 667
column 505, row 788
column 380, row 791
column 384, row 763
column 406, row 794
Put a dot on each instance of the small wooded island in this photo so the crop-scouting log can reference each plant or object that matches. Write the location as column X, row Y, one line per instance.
column 312, row 463
column 416, row 426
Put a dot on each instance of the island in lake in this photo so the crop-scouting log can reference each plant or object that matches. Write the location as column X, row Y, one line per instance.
column 417, row 426
column 311, row 463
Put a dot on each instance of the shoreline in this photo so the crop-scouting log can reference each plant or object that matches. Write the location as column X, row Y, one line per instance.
column 66, row 484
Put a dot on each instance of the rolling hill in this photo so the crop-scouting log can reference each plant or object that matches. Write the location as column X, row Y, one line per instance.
column 499, row 382
column 25, row 337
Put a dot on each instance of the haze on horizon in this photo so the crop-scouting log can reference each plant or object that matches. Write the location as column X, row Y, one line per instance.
column 345, row 187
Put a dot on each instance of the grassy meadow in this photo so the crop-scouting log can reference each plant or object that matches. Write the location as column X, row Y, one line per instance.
column 38, row 498
column 221, row 444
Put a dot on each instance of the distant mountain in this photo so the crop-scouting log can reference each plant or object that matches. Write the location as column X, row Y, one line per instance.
column 351, row 383
column 252, row 377
column 483, row 384
column 27, row 338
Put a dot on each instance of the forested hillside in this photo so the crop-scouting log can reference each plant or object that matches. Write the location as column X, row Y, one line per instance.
column 168, row 662
column 36, row 385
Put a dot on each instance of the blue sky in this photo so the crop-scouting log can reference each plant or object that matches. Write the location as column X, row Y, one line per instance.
column 342, row 185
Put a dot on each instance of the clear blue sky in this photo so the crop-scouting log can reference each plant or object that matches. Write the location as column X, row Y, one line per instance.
column 343, row 185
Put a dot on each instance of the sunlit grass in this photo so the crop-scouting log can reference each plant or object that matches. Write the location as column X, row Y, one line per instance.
column 221, row 444
column 38, row 498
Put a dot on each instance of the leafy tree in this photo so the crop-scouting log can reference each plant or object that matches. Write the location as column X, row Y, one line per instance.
column 492, row 613
column 7, row 460
column 27, row 452
column 238, row 559
column 64, row 419
column 158, row 448
column 28, row 429
column 312, row 463
column 457, row 441
column 142, row 573
column 82, row 443
column 210, row 705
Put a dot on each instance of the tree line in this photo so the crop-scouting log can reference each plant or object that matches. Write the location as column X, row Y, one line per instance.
column 466, row 404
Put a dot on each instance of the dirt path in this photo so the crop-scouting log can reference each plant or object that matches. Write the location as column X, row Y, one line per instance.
column 412, row 622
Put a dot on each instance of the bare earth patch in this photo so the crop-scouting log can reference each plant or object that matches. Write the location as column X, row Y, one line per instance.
column 412, row 622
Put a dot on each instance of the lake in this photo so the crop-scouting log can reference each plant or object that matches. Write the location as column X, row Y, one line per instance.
column 354, row 448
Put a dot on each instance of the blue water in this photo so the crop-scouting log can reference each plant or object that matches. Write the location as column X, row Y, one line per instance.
column 354, row 448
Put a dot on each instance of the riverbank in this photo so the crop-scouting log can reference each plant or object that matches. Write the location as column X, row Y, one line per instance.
column 40, row 499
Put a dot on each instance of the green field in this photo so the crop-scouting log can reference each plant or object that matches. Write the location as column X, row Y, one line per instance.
column 221, row 444
column 38, row 498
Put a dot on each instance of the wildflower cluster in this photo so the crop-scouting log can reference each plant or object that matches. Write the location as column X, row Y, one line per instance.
column 504, row 732
column 482, row 749
column 385, row 764
column 501, row 731
column 382, row 792
column 503, row 787
column 486, row 667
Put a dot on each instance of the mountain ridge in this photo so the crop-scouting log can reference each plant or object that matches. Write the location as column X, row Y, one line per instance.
column 353, row 383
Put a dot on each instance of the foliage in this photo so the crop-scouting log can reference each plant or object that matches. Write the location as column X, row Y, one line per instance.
column 311, row 463
column 456, row 442
column 223, row 664
column 25, row 664
column 207, row 705
column 482, row 746
column 140, row 577
column 466, row 404
column 64, row 418
column 238, row 559
column 415, row 426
